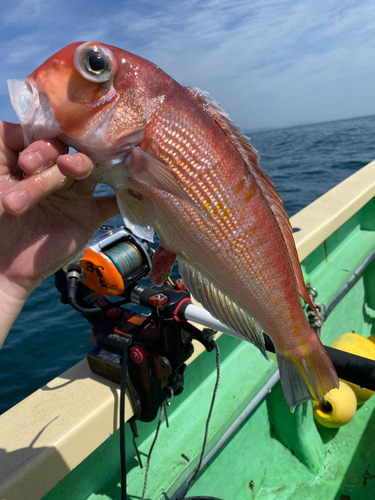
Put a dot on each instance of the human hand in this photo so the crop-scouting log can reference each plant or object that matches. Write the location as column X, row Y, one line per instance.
column 47, row 212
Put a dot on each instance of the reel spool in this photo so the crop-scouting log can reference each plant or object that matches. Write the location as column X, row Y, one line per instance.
column 114, row 260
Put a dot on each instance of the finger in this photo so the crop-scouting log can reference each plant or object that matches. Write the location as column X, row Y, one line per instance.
column 78, row 166
column 29, row 192
column 41, row 155
column 11, row 135
column 11, row 142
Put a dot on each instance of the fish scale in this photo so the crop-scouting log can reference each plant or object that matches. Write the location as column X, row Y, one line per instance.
column 183, row 163
column 177, row 163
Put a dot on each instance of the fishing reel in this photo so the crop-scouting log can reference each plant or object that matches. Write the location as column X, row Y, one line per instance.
column 154, row 346
column 113, row 260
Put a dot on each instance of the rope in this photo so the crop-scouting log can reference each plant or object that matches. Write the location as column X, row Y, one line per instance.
column 123, row 376
column 152, row 447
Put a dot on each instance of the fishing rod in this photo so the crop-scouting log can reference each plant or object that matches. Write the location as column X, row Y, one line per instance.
column 350, row 367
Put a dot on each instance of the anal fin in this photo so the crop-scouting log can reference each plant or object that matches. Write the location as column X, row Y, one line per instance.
column 221, row 306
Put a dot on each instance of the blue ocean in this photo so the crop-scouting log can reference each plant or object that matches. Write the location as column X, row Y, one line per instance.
column 303, row 161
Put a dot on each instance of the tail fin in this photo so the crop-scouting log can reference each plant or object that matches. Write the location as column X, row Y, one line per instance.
column 307, row 376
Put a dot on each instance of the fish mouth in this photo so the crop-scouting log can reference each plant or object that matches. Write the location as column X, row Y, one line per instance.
column 34, row 111
column 36, row 116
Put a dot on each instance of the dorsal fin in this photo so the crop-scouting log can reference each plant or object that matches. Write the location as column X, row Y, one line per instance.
column 251, row 160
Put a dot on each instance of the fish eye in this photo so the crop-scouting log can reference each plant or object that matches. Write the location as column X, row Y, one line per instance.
column 94, row 62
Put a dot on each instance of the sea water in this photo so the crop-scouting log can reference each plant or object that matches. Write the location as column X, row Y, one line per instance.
column 304, row 162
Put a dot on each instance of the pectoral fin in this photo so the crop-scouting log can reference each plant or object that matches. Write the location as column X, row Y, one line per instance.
column 148, row 170
column 125, row 202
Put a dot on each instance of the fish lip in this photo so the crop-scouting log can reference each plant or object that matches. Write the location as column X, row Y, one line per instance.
column 34, row 111
column 23, row 97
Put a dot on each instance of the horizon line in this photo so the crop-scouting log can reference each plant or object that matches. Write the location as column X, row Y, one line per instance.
column 303, row 124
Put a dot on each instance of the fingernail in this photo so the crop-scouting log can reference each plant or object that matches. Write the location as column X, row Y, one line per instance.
column 33, row 161
column 16, row 201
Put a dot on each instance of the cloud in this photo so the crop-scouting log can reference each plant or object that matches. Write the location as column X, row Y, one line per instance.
column 287, row 55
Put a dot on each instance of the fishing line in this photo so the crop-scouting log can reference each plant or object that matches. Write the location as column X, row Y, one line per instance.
column 126, row 257
column 196, row 471
column 124, row 365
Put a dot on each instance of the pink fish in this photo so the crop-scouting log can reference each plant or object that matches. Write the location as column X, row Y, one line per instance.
column 178, row 165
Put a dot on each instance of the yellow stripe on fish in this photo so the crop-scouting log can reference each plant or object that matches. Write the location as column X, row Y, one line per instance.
column 218, row 207
column 225, row 214
column 250, row 194
column 240, row 185
column 205, row 206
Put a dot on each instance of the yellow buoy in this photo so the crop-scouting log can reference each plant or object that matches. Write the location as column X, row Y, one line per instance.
column 361, row 346
column 338, row 409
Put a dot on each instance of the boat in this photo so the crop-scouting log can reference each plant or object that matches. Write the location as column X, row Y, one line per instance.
column 62, row 442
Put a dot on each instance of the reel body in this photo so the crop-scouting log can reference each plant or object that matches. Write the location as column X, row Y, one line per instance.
column 114, row 259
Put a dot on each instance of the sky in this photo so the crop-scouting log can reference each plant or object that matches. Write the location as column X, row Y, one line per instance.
column 270, row 64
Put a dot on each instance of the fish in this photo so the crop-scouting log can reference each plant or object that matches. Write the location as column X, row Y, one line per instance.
column 180, row 167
